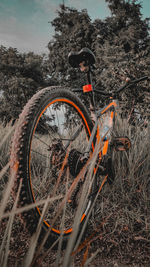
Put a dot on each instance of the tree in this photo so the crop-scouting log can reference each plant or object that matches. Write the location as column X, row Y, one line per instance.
column 123, row 51
column 73, row 30
column 120, row 43
column 21, row 76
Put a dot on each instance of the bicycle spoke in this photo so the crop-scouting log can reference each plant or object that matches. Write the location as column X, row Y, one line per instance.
column 41, row 142
column 39, row 153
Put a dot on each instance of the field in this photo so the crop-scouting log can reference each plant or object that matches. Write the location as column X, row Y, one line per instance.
column 118, row 232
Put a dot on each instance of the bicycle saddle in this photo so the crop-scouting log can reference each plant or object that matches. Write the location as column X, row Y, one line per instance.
column 85, row 54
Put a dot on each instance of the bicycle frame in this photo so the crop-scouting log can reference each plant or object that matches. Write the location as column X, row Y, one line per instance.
column 96, row 132
column 96, row 135
column 95, row 116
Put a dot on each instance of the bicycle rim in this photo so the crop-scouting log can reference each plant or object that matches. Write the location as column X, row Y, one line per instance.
column 51, row 143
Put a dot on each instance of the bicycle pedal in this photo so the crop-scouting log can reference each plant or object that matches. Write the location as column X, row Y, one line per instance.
column 121, row 143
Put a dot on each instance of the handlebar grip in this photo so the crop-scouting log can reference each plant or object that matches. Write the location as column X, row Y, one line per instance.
column 140, row 79
column 130, row 83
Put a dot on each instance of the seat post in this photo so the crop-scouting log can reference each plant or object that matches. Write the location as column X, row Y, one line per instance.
column 89, row 78
column 91, row 94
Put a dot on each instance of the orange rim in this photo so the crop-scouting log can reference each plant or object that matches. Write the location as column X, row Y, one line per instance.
column 68, row 231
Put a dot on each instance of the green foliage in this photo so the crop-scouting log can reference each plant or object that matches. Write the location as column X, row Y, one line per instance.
column 122, row 50
column 120, row 43
column 21, row 75
column 73, row 30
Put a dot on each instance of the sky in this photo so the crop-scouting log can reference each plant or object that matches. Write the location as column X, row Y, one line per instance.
column 25, row 24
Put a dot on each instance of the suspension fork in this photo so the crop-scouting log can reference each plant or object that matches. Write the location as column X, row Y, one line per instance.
column 96, row 132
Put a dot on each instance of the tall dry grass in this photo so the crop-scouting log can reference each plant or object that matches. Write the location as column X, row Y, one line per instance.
column 119, row 226
column 5, row 137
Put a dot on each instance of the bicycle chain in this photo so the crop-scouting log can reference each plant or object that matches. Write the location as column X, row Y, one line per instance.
column 73, row 201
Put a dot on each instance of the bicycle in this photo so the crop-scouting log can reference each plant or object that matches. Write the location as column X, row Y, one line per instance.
column 54, row 141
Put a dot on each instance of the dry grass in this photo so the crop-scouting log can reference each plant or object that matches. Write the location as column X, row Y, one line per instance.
column 5, row 136
column 119, row 228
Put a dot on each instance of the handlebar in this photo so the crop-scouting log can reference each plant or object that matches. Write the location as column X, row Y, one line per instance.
column 127, row 85
column 130, row 83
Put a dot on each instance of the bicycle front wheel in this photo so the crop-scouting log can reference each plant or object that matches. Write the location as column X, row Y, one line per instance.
column 49, row 141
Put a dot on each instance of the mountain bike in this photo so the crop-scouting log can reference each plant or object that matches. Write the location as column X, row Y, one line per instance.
column 59, row 144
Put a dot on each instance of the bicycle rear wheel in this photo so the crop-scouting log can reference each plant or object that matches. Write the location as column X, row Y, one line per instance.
column 50, row 138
